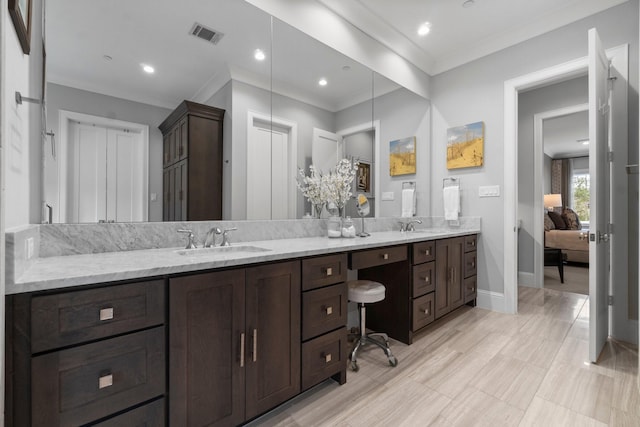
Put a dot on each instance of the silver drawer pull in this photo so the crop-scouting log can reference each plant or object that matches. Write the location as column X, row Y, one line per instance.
column 426, row 279
column 426, row 311
column 106, row 314
column 471, row 289
column 328, row 310
column 385, row 256
column 473, row 263
column 473, row 243
column 427, row 252
column 105, row 381
column 329, row 271
column 242, row 350
column 327, row 357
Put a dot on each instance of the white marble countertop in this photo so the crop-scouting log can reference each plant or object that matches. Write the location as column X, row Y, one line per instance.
column 73, row 270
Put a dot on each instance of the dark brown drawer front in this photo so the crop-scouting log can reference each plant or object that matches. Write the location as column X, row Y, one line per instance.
column 470, row 243
column 424, row 278
column 86, row 383
column 323, row 357
column 323, row 271
column 75, row 317
column 324, row 310
column 374, row 257
column 470, row 264
column 149, row 415
column 424, row 252
column 423, row 312
column 470, row 289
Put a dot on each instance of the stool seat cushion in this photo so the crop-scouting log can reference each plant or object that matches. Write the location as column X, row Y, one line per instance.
column 364, row 291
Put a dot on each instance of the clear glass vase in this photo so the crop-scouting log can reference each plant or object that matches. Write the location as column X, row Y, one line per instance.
column 317, row 209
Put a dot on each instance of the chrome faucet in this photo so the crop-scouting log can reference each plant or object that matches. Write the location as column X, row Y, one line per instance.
column 210, row 240
column 190, row 238
column 409, row 226
column 225, row 236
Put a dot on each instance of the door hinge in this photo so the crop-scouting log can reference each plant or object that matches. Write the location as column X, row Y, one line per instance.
column 610, row 156
column 610, row 300
column 610, row 229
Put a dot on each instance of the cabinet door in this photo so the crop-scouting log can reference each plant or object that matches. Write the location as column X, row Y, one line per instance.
column 182, row 139
column 166, row 195
column 273, row 335
column 206, row 373
column 449, row 291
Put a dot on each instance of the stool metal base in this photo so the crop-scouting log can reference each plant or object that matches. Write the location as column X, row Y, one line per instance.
column 378, row 338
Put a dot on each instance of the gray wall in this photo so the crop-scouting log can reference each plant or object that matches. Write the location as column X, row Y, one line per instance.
column 546, row 174
column 81, row 101
column 475, row 92
column 565, row 94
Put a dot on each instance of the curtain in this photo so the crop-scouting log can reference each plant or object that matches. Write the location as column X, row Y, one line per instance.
column 560, row 176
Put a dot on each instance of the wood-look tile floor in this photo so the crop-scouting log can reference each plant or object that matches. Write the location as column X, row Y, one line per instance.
column 482, row 368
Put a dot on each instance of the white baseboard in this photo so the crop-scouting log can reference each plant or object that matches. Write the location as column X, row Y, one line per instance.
column 491, row 300
column 527, row 279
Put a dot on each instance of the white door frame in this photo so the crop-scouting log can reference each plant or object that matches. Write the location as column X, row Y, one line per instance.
column 512, row 88
column 65, row 117
column 538, row 191
column 292, row 129
column 375, row 126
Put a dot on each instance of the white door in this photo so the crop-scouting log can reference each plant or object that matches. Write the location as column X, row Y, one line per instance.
column 326, row 149
column 599, row 249
column 267, row 173
column 108, row 179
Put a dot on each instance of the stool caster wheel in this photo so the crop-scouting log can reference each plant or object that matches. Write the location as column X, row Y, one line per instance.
column 393, row 361
column 354, row 366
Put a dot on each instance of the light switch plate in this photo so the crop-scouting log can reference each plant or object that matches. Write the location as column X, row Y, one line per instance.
column 489, row 191
column 388, row 195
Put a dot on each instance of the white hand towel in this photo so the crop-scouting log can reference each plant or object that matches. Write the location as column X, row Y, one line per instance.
column 408, row 207
column 451, row 196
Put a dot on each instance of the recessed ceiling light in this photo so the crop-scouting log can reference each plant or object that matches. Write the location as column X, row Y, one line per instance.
column 583, row 141
column 468, row 3
column 107, row 57
column 424, row 29
column 148, row 69
column 346, row 68
column 322, row 82
column 259, row 55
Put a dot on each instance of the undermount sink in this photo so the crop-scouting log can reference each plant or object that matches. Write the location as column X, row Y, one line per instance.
column 222, row 250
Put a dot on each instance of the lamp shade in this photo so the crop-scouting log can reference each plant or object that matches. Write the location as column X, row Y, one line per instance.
column 552, row 200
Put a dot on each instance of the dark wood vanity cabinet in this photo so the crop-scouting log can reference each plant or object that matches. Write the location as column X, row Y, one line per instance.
column 324, row 319
column 470, row 269
column 86, row 356
column 423, row 284
column 234, row 343
column 449, row 293
column 192, row 163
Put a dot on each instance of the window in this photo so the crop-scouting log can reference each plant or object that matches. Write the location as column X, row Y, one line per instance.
column 580, row 195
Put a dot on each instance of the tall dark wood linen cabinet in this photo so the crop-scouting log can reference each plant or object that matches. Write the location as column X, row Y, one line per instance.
column 192, row 163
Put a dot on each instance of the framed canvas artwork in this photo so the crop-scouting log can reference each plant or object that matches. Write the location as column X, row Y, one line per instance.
column 402, row 156
column 465, row 146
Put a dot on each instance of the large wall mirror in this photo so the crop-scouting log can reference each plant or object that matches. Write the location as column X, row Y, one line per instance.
column 98, row 91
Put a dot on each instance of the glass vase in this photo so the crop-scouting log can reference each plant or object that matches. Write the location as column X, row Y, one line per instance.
column 317, row 209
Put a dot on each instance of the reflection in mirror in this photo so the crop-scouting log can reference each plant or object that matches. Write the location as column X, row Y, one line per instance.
column 362, row 204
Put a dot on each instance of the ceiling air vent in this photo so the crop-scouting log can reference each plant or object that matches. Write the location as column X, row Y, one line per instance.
column 207, row 34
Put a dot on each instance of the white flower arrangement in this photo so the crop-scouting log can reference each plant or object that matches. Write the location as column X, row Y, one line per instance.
column 333, row 188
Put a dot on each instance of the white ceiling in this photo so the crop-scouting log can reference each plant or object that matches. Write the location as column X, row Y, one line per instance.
column 79, row 33
column 563, row 136
column 459, row 35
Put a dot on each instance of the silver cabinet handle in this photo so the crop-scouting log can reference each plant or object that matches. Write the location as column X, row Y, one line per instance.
column 385, row 256
column 242, row 350
column 426, row 279
column 328, row 310
column 255, row 345
column 106, row 314
column 328, row 271
column 427, row 252
column 326, row 357
column 105, row 381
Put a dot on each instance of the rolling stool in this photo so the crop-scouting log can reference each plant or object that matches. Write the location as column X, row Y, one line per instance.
column 361, row 292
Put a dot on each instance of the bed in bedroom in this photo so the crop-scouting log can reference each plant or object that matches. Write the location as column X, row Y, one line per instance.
column 564, row 232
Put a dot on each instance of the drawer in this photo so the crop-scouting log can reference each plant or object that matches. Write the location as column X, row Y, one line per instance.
column 470, row 264
column 470, row 289
column 149, row 415
column 323, row 271
column 470, row 243
column 424, row 252
column 423, row 312
column 424, row 278
column 86, row 383
column 323, row 357
column 74, row 317
column 324, row 310
column 380, row 256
